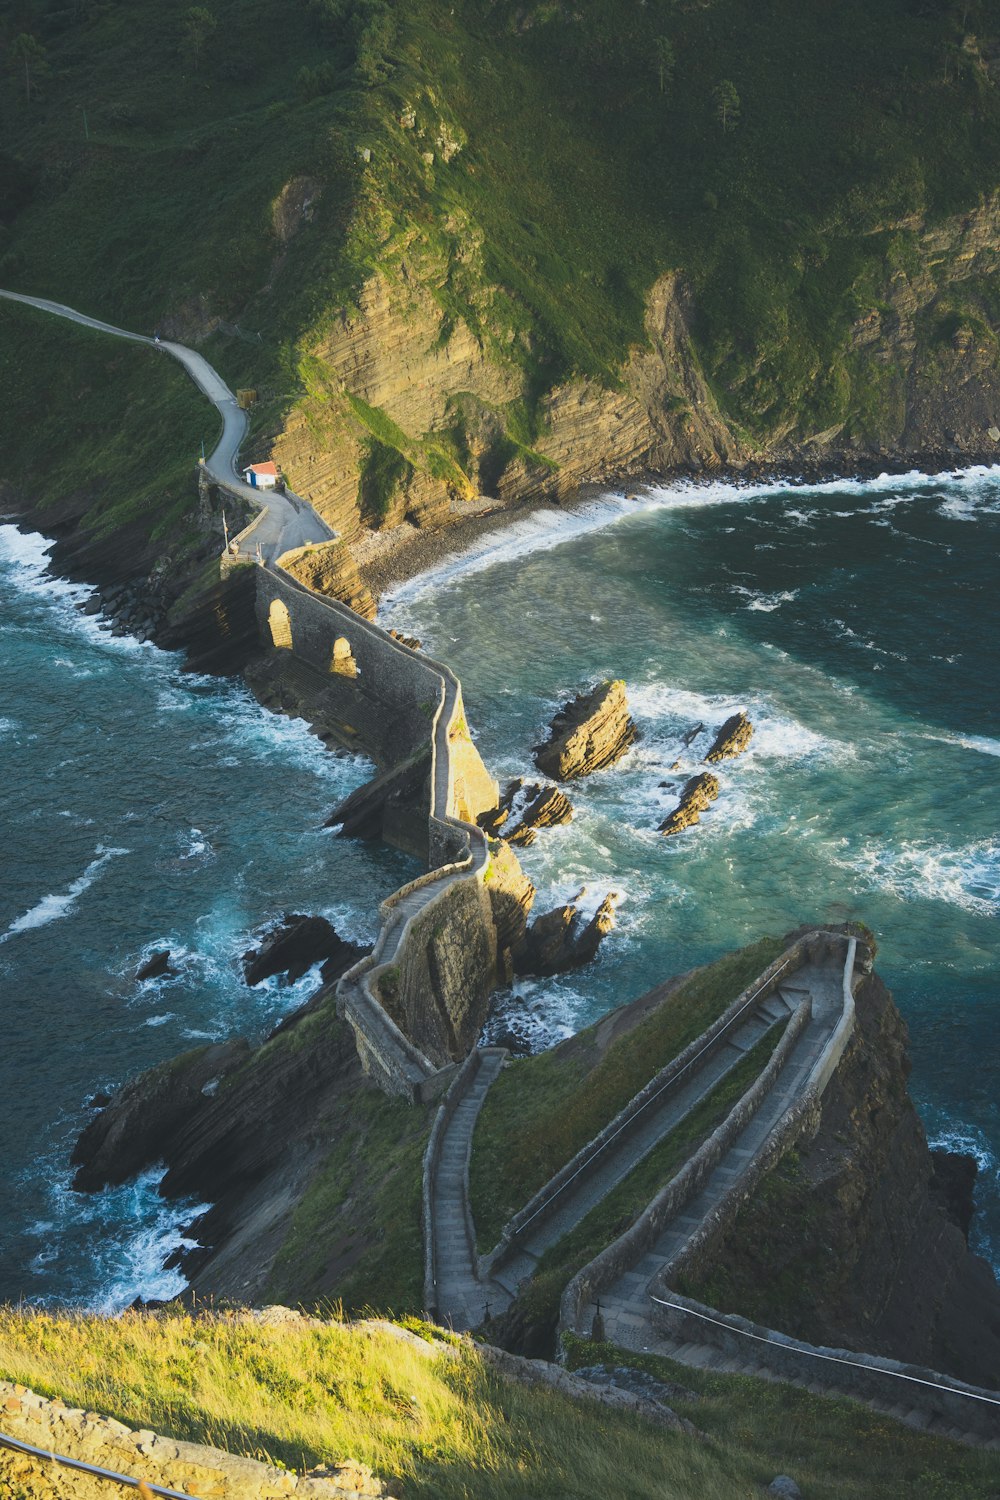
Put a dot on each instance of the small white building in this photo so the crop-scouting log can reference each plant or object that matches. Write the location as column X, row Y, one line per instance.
column 261, row 476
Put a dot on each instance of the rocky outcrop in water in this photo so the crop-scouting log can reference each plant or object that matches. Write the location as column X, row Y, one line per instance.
column 525, row 807
column 129, row 1134
column 732, row 739
column 561, row 939
column 156, row 966
column 698, row 794
column 295, row 945
column 592, row 731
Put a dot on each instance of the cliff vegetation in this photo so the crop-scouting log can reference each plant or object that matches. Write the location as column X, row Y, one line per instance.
column 505, row 247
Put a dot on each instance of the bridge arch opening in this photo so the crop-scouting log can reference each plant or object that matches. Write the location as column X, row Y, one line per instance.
column 280, row 624
column 342, row 658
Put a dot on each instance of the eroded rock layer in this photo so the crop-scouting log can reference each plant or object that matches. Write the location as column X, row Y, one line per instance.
column 591, row 732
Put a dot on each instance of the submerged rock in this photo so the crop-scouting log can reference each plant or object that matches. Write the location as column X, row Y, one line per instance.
column 525, row 807
column 699, row 793
column 592, row 731
column 732, row 739
column 560, row 939
column 295, row 946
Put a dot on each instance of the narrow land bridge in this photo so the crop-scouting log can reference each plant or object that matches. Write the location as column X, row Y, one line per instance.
column 808, row 993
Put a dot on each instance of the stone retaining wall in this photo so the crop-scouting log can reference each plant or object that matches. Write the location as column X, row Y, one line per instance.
column 415, row 701
column 703, row 1047
column 623, row 1253
column 208, row 1473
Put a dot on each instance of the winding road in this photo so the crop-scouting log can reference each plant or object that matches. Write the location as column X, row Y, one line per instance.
column 287, row 521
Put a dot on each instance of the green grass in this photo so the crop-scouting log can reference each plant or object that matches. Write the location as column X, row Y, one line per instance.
column 577, row 183
column 543, row 1109
column 357, row 1233
column 835, row 1449
column 437, row 1424
column 538, row 1302
column 117, row 426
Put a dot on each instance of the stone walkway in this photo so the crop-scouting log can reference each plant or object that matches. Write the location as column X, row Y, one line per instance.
column 462, row 1300
column 625, row 1306
column 598, row 1179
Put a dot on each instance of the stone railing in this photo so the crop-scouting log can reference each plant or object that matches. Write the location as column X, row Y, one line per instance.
column 622, row 1254
column 630, row 1118
column 867, row 1377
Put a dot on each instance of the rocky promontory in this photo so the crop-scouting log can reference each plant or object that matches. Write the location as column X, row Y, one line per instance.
column 591, row 732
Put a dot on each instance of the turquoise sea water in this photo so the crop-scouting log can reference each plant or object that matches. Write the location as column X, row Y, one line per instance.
column 857, row 624
column 144, row 807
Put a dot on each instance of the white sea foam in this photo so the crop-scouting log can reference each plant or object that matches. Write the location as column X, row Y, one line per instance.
column 548, row 528
column 760, row 601
column 978, row 742
column 160, row 1020
column 918, row 870
column 53, row 908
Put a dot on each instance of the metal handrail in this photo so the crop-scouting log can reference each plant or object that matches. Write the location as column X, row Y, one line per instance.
column 78, row 1463
column 797, row 1347
column 667, row 1084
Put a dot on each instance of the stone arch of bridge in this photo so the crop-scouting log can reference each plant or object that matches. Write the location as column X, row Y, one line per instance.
column 280, row 624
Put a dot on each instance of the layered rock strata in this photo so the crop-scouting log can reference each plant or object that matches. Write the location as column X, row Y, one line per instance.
column 591, row 732
column 525, row 807
column 731, row 740
column 699, row 793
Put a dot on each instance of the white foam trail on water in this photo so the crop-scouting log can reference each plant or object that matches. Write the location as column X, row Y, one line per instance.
column 968, row 877
column 979, row 742
column 551, row 527
column 53, row 908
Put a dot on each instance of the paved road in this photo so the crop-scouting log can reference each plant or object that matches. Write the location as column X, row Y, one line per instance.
column 289, row 521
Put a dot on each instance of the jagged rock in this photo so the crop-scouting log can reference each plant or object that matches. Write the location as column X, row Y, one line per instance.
column 329, row 567
column 406, row 640
column 558, row 939
column 295, row 946
column 732, row 739
column 128, row 1134
column 511, row 896
column 699, row 793
column 100, row 1100
column 639, row 1382
column 532, row 805
column 592, row 731
column 157, row 964
column 954, row 1185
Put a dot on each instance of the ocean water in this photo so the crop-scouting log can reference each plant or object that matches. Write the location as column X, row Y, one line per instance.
column 856, row 622
column 141, row 808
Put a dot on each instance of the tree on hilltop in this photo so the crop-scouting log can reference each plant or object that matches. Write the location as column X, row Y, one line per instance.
column 664, row 61
column 198, row 25
column 28, row 54
column 727, row 104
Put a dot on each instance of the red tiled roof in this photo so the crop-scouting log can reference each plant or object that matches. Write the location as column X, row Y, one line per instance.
column 262, row 469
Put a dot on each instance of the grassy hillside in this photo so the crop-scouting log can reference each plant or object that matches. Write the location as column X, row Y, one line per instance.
column 442, row 1425
column 535, row 166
